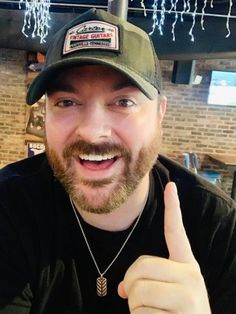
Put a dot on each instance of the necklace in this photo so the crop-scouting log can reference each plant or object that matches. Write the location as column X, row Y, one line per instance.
column 101, row 281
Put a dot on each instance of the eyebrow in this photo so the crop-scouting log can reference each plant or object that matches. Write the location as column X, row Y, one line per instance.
column 64, row 87
column 61, row 86
column 123, row 84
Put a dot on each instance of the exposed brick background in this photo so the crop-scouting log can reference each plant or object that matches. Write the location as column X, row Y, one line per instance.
column 12, row 105
column 190, row 124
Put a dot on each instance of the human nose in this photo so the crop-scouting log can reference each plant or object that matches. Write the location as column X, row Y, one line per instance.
column 94, row 124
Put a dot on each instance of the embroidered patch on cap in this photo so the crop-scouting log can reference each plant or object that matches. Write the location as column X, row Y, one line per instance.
column 91, row 35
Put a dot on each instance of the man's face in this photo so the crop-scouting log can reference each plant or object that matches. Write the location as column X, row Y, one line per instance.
column 102, row 135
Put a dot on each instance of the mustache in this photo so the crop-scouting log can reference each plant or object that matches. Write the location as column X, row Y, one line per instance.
column 82, row 147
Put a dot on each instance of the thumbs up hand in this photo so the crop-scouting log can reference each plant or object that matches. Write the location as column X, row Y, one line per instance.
column 155, row 285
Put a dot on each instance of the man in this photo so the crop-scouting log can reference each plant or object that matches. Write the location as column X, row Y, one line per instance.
column 96, row 226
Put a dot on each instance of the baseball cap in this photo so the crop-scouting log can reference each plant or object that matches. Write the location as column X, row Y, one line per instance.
column 98, row 37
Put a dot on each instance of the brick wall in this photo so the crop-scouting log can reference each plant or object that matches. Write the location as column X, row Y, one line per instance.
column 12, row 105
column 190, row 124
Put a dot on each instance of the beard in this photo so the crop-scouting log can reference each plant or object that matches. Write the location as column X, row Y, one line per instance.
column 98, row 199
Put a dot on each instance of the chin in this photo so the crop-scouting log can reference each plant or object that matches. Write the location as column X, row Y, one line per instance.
column 99, row 200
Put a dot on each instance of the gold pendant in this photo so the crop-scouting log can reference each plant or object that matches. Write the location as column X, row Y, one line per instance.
column 101, row 286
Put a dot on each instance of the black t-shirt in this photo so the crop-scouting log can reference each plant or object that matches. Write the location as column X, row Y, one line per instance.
column 45, row 266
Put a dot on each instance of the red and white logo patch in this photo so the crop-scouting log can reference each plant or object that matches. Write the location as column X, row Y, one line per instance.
column 92, row 35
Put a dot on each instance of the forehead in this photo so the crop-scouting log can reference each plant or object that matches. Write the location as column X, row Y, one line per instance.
column 94, row 69
column 89, row 74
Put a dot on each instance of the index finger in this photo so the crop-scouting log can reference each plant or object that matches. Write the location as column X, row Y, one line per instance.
column 176, row 239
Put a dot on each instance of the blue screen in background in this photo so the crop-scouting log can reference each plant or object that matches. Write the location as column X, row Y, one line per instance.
column 222, row 89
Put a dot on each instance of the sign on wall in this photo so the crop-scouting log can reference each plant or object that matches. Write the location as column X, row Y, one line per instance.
column 35, row 125
column 34, row 148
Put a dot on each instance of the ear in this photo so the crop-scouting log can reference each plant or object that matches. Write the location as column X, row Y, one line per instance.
column 162, row 107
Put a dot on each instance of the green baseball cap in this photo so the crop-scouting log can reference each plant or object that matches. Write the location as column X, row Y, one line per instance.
column 98, row 37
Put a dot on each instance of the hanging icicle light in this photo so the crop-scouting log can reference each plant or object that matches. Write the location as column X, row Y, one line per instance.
column 228, row 17
column 36, row 19
column 162, row 7
column 144, row 7
column 154, row 16
column 37, row 16
column 188, row 6
column 163, row 15
column 183, row 11
column 194, row 21
column 175, row 21
column 172, row 4
column 203, row 14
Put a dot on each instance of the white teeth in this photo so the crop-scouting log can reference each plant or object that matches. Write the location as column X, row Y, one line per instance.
column 96, row 157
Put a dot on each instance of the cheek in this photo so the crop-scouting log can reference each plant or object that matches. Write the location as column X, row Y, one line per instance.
column 58, row 131
column 138, row 132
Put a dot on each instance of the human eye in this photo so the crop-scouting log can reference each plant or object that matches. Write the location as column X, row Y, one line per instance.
column 65, row 103
column 125, row 103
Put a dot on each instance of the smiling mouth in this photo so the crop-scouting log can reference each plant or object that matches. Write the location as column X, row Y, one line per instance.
column 97, row 162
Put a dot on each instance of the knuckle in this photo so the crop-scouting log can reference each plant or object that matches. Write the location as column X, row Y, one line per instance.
column 142, row 258
column 137, row 294
column 191, row 301
column 193, row 275
column 196, row 278
column 194, row 296
column 142, row 265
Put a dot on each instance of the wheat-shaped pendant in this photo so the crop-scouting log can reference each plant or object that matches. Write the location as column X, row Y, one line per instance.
column 101, row 286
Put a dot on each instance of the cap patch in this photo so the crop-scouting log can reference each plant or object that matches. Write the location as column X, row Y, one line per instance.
column 91, row 35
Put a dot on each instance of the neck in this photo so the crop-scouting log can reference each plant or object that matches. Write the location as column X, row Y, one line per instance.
column 120, row 218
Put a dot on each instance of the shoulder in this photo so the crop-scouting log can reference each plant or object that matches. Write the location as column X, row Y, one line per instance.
column 24, row 179
column 22, row 168
column 205, row 207
column 209, row 215
column 191, row 186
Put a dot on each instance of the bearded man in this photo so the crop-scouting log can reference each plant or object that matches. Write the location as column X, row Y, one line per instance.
column 96, row 224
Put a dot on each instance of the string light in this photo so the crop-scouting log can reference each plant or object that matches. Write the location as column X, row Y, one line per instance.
column 203, row 14
column 144, row 7
column 175, row 21
column 194, row 21
column 154, row 16
column 186, row 9
column 172, row 6
column 228, row 16
column 162, row 20
column 183, row 11
column 188, row 6
column 37, row 17
column 142, row 4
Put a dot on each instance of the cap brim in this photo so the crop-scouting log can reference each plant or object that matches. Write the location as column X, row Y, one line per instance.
column 41, row 83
